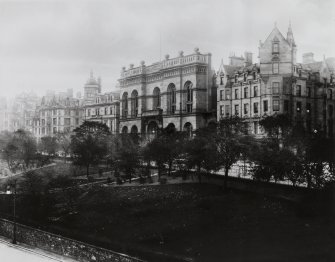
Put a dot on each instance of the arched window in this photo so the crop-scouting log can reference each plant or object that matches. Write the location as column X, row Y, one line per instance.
column 125, row 105
column 156, row 98
column 171, row 99
column 134, row 103
column 189, row 96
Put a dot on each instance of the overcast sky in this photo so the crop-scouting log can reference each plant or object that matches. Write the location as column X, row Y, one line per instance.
column 46, row 44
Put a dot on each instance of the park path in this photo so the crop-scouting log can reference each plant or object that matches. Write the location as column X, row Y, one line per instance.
column 19, row 253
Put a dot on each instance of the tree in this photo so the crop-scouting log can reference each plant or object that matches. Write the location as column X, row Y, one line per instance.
column 20, row 150
column 64, row 142
column 89, row 144
column 49, row 145
column 201, row 151
column 128, row 156
column 230, row 140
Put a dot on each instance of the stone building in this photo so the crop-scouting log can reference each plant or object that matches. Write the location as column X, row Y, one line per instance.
column 278, row 84
column 176, row 91
column 4, row 121
column 57, row 113
column 104, row 109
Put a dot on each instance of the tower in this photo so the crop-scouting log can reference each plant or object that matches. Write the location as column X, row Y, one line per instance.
column 92, row 88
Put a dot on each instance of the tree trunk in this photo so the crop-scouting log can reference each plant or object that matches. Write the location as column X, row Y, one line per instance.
column 225, row 184
column 199, row 174
column 170, row 167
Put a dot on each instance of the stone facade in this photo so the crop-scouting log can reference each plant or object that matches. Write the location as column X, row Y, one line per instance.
column 177, row 91
column 278, row 85
column 104, row 109
column 57, row 113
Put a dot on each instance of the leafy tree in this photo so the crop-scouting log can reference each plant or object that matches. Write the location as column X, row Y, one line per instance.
column 89, row 144
column 64, row 142
column 49, row 145
column 230, row 141
column 201, row 152
column 128, row 156
column 20, row 150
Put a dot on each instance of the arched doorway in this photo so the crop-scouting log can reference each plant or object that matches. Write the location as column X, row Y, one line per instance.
column 152, row 127
column 188, row 128
column 171, row 128
column 125, row 130
column 134, row 130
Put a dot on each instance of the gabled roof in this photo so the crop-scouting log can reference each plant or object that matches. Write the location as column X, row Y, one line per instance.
column 275, row 33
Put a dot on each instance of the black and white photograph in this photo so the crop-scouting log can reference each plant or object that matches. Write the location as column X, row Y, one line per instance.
column 167, row 130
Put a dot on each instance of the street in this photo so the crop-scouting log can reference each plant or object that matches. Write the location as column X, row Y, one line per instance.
column 13, row 253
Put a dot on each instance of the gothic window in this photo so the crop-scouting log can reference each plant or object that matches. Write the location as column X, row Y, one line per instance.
column 156, row 98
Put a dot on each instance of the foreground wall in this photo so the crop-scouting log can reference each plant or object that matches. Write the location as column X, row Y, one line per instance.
column 61, row 245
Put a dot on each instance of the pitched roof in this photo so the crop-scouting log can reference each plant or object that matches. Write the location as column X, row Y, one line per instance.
column 315, row 66
column 230, row 70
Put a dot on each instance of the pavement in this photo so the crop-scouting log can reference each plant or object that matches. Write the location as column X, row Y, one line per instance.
column 19, row 253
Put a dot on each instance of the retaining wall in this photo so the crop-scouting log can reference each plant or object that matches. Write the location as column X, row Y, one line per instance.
column 61, row 245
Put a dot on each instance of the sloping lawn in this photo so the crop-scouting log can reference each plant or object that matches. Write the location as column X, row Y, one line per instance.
column 199, row 222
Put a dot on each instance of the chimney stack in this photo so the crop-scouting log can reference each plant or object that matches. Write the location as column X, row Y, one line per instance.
column 308, row 58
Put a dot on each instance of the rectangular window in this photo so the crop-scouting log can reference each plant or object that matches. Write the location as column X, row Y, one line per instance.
column 110, row 110
column 246, row 92
column 236, row 93
column 246, row 109
column 308, row 91
column 298, row 90
column 275, row 68
column 54, row 130
column 265, row 106
column 227, row 94
column 286, row 105
column 275, row 105
column 298, row 107
column 236, row 107
column 256, row 108
column 227, row 110
column 54, row 112
column 221, row 110
column 67, row 121
column 275, row 48
column 275, row 88
column 221, row 95
column 255, row 91
column 189, row 108
column 54, row 121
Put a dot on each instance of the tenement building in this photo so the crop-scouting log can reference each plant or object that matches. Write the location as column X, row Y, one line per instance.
column 57, row 113
column 278, row 85
column 98, row 107
column 176, row 91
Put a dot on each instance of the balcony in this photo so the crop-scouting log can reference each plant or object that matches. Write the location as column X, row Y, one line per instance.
column 154, row 112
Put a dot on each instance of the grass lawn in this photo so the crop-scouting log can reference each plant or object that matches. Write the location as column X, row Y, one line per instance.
column 199, row 222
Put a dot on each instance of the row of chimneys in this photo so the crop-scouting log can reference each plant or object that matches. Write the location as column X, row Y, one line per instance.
column 247, row 59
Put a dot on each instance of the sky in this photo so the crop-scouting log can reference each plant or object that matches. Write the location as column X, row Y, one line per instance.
column 53, row 45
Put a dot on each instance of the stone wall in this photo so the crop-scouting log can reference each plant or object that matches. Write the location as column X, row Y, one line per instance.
column 61, row 245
